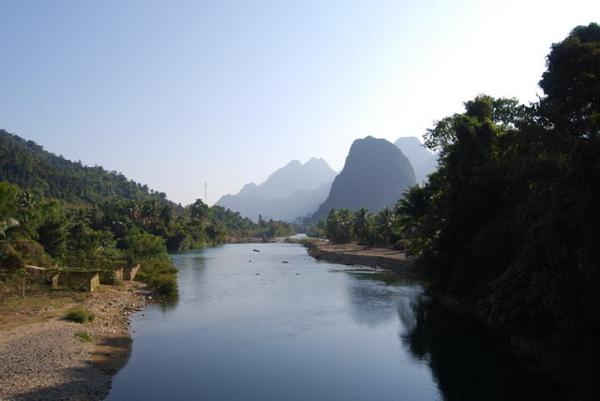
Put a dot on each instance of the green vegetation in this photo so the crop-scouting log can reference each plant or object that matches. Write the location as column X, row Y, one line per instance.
column 44, row 174
column 63, row 214
column 510, row 218
column 160, row 275
column 79, row 315
column 370, row 229
column 508, row 225
column 83, row 336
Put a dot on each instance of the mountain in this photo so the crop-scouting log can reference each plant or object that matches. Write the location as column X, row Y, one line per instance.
column 293, row 191
column 29, row 166
column 422, row 159
column 299, row 204
column 375, row 176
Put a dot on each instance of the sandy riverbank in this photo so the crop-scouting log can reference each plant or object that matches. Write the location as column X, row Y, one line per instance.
column 41, row 359
column 354, row 254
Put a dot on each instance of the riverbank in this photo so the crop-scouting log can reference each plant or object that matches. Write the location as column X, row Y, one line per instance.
column 543, row 355
column 257, row 240
column 42, row 359
column 354, row 254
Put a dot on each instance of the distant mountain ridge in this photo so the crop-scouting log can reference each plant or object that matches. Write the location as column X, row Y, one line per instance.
column 29, row 166
column 293, row 177
column 423, row 160
column 375, row 175
column 295, row 190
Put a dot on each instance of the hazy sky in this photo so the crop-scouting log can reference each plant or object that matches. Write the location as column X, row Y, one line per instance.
column 176, row 93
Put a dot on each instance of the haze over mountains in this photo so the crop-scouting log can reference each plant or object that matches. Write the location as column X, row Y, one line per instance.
column 375, row 175
column 293, row 191
column 296, row 190
column 424, row 161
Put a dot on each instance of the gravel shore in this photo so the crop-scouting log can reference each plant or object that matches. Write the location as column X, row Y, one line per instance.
column 354, row 254
column 43, row 360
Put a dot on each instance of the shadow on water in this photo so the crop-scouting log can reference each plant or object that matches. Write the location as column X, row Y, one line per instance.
column 376, row 297
column 468, row 361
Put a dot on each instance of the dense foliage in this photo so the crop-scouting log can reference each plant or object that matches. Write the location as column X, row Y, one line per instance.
column 67, row 215
column 509, row 223
column 366, row 228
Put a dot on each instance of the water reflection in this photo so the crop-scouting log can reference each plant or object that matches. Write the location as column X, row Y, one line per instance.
column 468, row 362
column 309, row 331
column 376, row 298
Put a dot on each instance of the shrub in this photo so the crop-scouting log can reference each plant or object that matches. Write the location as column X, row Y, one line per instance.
column 31, row 252
column 83, row 336
column 10, row 258
column 79, row 315
column 164, row 284
column 160, row 275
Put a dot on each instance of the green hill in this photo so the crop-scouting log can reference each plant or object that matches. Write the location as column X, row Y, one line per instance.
column 29, row 166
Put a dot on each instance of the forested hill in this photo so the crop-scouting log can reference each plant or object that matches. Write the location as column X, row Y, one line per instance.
column 29, row 166
column 54, row 212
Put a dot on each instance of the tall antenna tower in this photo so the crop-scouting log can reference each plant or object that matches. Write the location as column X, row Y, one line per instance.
column 205, row 193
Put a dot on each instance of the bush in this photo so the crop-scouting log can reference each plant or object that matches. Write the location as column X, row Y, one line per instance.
column 10, row 258
column 160, row 275
column 83, row 336
column 164, row 284
column 79, row 315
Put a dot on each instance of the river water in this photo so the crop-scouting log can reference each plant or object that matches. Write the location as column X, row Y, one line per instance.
column 277, row 325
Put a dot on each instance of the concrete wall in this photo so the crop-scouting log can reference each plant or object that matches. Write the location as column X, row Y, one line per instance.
column 83, row 281
column 129, row 273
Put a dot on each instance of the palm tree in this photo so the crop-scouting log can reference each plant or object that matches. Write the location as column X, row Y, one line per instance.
column 362, row 226
column 385, row 225
column 414, row 203
column 415, row 219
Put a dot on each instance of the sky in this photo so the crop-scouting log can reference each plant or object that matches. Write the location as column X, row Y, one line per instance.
column 175, row 94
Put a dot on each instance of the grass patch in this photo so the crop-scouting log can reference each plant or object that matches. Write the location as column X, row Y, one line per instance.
column 79, row 315
column 83, row 336
column 16, row 311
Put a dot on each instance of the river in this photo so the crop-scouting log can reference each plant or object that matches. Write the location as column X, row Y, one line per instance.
column 277, row 325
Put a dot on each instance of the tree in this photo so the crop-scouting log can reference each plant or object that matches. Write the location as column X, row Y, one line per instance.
column 363, row 226
column 51, row 231
column 571, row 84
column 339, row 226
column 509, row 222
column 216, row 233
column 385, row 227
column 141, row 246
column 414, row 217
column 199, row 210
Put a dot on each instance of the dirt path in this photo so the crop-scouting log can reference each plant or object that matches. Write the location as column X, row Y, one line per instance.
column 41, row 359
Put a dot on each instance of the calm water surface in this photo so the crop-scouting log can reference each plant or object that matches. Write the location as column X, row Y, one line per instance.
column 248, row 326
